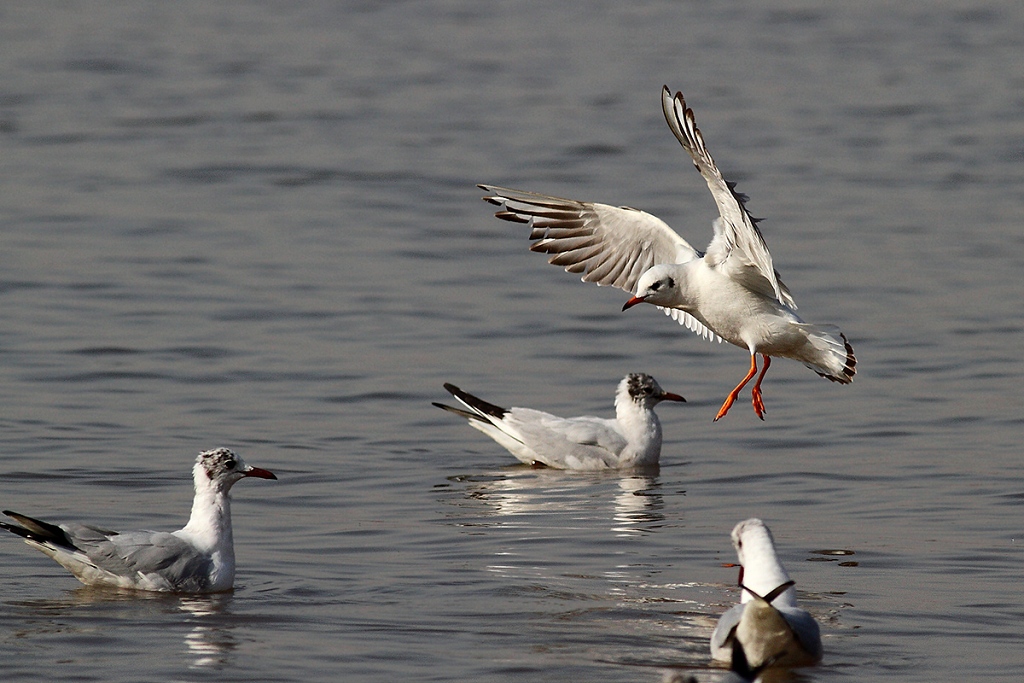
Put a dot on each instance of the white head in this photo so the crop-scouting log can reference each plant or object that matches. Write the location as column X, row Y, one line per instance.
column 219, row 469
column 643, row 390
column 760, row 568
column 659, row 285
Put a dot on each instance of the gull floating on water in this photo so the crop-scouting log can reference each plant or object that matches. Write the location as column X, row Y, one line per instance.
column 731, row 292
column 631, row 439
column 200, row 558
column 766, row 629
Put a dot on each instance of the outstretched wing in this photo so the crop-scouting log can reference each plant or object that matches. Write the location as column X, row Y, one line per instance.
column 738, row 248
column 609, row 245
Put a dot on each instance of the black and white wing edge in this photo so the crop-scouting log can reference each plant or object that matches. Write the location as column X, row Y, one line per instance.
column 738, row 248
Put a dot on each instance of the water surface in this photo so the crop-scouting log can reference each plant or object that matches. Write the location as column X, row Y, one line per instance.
column 255, row 225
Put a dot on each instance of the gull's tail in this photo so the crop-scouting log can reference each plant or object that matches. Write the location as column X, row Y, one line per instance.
column 833, row 356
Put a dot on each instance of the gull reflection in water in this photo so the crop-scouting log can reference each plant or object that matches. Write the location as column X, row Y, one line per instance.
column 635, row 507
column 638, row 505
column 543, row 505
column 210, row 642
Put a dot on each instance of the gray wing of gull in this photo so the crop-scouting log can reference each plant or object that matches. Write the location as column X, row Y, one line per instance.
column 737, row 249
column 608, row 245
column 722, row 635
column 143, row 552
column 805, row 627
column 563, row 439
column 800, row 621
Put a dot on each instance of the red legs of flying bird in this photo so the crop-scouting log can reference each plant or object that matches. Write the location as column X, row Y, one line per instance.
column 755, row 392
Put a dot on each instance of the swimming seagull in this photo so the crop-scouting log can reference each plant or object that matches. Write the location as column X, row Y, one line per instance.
column 767, row 628
column 199, row 558
column 631, row 439
column 731, row 292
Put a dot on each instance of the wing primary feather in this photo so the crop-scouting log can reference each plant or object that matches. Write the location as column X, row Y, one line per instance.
column 37, row 530
column 512, row 217
column 469, row 415
column 478, row 404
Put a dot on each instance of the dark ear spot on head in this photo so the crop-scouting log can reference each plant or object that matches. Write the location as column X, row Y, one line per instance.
column 640, row 385
column 218, row 462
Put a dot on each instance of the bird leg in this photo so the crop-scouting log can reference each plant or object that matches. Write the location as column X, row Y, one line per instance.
column 755, row 393
column 731, row 398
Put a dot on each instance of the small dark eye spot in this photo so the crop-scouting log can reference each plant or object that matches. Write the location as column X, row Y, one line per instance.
column 230, row 463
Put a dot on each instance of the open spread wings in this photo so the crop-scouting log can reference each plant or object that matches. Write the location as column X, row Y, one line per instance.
column 609, row 245
column 738, row 249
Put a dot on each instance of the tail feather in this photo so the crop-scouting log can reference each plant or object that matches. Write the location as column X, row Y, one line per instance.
column 849, row 364
column 836, row 361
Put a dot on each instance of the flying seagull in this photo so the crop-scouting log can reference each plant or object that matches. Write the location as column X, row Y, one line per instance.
column 732, row 291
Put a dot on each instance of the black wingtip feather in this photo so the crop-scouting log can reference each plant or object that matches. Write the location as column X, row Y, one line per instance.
column 37, row 530
column 476, row 403
column 458, row 411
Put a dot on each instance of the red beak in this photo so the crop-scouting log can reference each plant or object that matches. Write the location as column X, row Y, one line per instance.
column 669, row 396
column 260, row 472
column 633, row 302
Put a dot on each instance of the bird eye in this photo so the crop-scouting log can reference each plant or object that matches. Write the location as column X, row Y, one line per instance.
column 656, row 286
column 230, row 463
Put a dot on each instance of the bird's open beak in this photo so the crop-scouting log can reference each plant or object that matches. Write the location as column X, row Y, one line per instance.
column 669, row 396
column 730, row 565
column 633, row 302
column 260, row 472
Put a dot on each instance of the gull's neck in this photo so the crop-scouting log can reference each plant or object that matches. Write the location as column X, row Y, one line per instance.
column 639, row 424
column 762, row 570
column 209, row 527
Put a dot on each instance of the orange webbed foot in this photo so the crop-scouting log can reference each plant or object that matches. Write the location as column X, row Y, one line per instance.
column 758, row 403
column 755, row 393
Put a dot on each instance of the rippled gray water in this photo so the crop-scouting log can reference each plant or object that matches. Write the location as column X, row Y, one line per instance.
column 255, row 225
